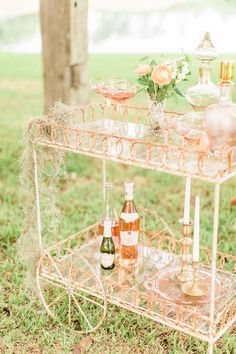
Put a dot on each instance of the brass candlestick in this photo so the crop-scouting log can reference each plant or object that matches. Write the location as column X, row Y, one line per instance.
column 195, row 287
column 185, row 275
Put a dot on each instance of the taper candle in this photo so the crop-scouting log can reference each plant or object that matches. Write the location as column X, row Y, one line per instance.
column 196, row 230
column 187, row 201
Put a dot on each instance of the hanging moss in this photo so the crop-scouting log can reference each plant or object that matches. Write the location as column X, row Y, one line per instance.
column 51, row 168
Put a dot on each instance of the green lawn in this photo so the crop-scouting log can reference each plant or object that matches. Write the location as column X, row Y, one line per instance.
column 24, row 328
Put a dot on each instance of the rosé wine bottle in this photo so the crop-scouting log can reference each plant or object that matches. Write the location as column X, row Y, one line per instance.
column 129, row 229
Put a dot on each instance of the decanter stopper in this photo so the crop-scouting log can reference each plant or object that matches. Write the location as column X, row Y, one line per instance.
column 206, row 50
column 204, row 93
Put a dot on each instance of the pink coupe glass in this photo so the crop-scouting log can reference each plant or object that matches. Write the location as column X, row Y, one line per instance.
column 114, row 89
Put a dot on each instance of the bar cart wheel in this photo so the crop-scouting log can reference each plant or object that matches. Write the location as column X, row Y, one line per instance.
column 65, row 290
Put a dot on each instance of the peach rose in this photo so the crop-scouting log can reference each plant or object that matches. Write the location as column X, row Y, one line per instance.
column 143, row 69
column 161, row 74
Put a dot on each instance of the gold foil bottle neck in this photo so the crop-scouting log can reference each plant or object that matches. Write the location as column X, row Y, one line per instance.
column 226, row 70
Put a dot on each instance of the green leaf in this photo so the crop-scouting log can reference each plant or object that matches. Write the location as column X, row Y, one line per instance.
column 187, row 58
column 179, row 92
column 141, row 89
column 144, row 58
column 143, row 81
column 153, row 62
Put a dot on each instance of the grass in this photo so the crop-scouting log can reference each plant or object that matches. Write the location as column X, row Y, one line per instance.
column 24, row 328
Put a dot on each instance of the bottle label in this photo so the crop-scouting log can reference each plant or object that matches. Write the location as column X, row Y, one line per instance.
column 129, row 217
column 129, row 238
column 107, row 259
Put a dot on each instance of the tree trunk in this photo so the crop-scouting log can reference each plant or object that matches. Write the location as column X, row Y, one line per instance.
column 64, row 45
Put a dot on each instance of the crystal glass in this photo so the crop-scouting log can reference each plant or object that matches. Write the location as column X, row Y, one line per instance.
column 205, row 92
column 167, row 123
column 221, row 117
column 182, row 127
column 114, row 89
column 157, row 114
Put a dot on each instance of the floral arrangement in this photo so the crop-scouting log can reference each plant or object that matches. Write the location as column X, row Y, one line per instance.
column 160, row 80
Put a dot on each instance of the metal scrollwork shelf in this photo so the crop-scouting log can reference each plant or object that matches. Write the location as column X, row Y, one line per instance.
column 72, row 286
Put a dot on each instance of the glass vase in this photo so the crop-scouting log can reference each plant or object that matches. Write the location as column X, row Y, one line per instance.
column 156, row 110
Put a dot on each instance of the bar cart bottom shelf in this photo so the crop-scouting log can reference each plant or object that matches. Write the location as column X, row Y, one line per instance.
column 75, row 290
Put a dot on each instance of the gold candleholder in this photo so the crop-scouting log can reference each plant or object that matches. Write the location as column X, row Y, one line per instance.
column 197, row 286
column 186, row 274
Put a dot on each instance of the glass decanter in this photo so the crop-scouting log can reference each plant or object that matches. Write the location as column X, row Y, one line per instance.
column 221, row 118
column 205, row 92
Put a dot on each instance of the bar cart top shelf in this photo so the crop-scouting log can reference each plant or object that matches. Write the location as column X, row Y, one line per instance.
column 123, row 134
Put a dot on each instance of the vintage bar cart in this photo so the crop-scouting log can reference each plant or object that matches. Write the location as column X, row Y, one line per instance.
column 77, row 290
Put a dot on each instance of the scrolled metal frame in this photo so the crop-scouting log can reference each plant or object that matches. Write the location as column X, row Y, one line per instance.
column 123, row 149
column 208, row 326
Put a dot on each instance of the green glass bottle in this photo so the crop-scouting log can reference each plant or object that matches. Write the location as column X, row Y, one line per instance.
column 107, row 249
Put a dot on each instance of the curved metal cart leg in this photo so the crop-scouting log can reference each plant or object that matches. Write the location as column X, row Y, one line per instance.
column 64, row 292
column 213, row 264
column 61, row 294
column 104, row 176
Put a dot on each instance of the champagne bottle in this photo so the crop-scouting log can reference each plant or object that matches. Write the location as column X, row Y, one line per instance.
column 107, row 249
column 129, row 229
